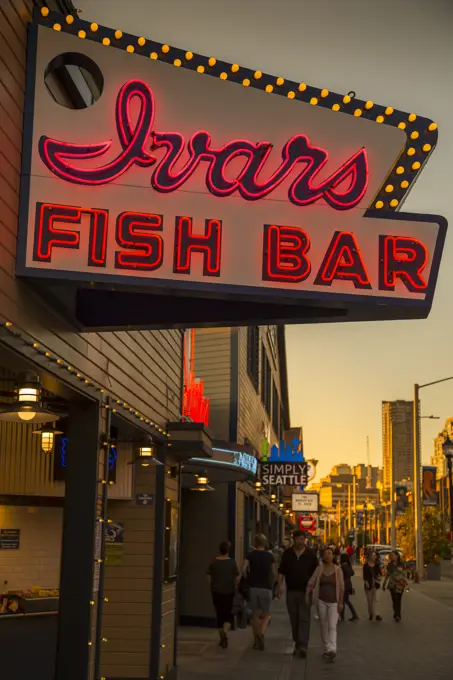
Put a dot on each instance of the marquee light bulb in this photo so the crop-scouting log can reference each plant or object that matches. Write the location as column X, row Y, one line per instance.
column 402, row 125
column 165, row 49
column 313, row 101
column 235, row 68
column 94, row 27
column 118, row 35
column 389, row 188
column 346, row 99
column 379, row 205
column 302, row 87
column 415, row 134
column 393, row 203
column 358, row 113
column 427, row 147
column 380, row 119
column 269, row 88
column 432, row 127
column 177, row 62
column 324, row 93
column 212, row 61
column 416, row 165
column 399, row 170
column 257, row 75
column 291, row 95
column 69, row 19
column 369, row 105
column 246, row 82
column 141, row 42
column 404, row 184
column 154, row 55
column 189, row 56
column 106, row 42
column 224, row 76
column 200, row 69
column 130, row 49
column 336, row 107
column 411, row 151
column 412, row 118
column 280, row 81
column 388, row 111
column 57, row 27
column 44, row 11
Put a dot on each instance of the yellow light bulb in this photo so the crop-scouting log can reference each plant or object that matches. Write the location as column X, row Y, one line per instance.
column 358, row 113
column 212, row 61
column 44, row 11
column 379, row 205
column 336, row 107
column 177, row 62
column 94, row 27
column 302, row 87
column 411, row 151
column 153, row 55
column 388, row 111
column 57, row 27
column 412, row 118
column 224, row 76
column 246, row 82
column 118, row 35
column 416, row 165
column 427, row 147
column 389, row 188
column 402, row 126
column 235, row 68
column 69, row 19
column 130, row 49
column 189, row 56
column 200, row 69
column 393, row 203
column 415, row 135
column 269, row 88
column 432, row 127
column 380, row 119
column 141, row 42
column 399, row 170
column 291, row 94
column 280, row 81
column 106, row 41
column 313, row 101
column 165, row 49
column 257, row 75
column 404, row 184
column 82, row 34
column 369, row 105
column 324, row 93
column 346, row 99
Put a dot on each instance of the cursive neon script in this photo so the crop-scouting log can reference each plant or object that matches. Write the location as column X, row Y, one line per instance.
column 342, row 190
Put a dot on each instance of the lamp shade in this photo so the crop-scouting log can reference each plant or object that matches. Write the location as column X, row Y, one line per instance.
column 47, row 435
column 447, row 447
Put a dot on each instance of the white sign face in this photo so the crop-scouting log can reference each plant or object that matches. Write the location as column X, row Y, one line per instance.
column 245, row 461
column 179, row 180
column 305, row 502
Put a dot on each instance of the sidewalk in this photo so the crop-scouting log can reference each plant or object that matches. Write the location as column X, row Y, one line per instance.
column 418, row 648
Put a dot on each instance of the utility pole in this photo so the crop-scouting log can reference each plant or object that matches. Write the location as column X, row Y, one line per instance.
column 354, row 500
column 349, row 508
column 417, row 485
column 392, row 494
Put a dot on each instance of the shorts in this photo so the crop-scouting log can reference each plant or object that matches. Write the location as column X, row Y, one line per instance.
column 261, row 600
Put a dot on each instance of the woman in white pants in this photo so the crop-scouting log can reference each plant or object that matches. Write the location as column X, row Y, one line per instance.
column 327, row 585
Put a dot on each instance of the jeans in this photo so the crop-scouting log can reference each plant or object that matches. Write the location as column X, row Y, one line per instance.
column 328, row 619
column 371, row 600
column 347, row 602
column 396, row 601
column 299, row 616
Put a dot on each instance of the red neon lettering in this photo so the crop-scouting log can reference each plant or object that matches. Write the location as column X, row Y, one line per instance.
column 342, row 190
column 136, row 232
column 403, row 258
column 343, row 261
column 284, row 254
column 47, row 236
column 195, row 404
column 209, row 244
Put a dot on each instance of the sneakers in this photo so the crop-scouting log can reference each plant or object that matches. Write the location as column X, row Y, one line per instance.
column 259, row 642
column 223, row 640
column 303, row 653
column 354, row 618
column 378, row 618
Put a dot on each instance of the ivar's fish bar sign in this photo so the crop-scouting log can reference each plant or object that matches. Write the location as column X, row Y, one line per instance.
column 209, row 181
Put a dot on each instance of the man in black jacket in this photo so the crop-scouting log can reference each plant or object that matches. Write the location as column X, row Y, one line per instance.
column 296, row 568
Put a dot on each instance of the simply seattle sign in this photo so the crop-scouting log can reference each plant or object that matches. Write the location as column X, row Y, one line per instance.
column 285, row 465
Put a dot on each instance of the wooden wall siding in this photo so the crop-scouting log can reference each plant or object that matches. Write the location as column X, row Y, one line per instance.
column 212, row 364
column 251, row 413
column 128, row 588
column 167, row 637
column 141, row 368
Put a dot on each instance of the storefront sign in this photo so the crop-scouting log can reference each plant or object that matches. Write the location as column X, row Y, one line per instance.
column 245, row 461
column 305, row 502
column 145, row 499
column 284, row 452
column 284, row 474
column 308, row 523
column 429, row 486
column 9, row 539
column 114, row 543
column 191, row 183
column 402, row 500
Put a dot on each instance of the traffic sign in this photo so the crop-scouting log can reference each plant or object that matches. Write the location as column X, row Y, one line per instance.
column 307, row 523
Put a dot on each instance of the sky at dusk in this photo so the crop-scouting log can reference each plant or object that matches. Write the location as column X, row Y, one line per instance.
column 397, row 53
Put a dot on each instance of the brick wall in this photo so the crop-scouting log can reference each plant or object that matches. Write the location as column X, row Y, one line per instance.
column 37, row 562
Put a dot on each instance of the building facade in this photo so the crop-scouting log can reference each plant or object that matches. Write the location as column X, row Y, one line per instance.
column 397, row 441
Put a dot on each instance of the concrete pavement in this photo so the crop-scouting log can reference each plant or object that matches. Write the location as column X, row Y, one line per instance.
column 418, row 648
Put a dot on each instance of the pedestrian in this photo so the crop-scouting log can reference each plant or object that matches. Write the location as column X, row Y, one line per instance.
column 296, row 568
column 396, row 580
column 327, row 585
column 223, row 577
column 371, row 578
column 277, row 553
column 348, row 573
column 259, row 570
column 350, row 552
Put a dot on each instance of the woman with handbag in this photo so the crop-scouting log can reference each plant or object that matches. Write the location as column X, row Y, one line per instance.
column 348, row 573
column 372, row 582
column 397, row 583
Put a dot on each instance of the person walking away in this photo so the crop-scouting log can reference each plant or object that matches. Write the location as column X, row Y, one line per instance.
column 296, row 568
column 327, row 585
column 348, row 573
column 277, row 553
column 350, row 552
column 259, row 570
column 371, row 580
column 223, row 577
column 377, row 605
column 396, row 580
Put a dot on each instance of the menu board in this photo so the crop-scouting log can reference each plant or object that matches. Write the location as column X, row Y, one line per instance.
column 9, row 539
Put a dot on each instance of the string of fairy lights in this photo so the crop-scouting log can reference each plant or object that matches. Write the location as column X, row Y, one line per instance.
column 421, row 132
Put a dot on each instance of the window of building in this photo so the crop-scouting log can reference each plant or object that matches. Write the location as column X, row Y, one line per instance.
column 253, row 355
column 266, row 381
column 275, row 410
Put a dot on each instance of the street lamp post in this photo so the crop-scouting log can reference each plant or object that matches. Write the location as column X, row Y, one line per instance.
column 447, row 447
column 417, row 474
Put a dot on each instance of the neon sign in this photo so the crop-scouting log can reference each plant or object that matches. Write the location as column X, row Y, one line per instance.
column 342, row 190
column 195, row 404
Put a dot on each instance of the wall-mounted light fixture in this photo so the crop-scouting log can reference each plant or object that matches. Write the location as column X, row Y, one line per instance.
column 27, row 407
column 47, row 434
column 202, row 484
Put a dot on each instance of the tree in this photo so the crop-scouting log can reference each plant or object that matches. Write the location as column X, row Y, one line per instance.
column 433, row 535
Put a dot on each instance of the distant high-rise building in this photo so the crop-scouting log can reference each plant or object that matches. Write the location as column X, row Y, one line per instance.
column 438, row 459
column 371, row 474
column 397, row 440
